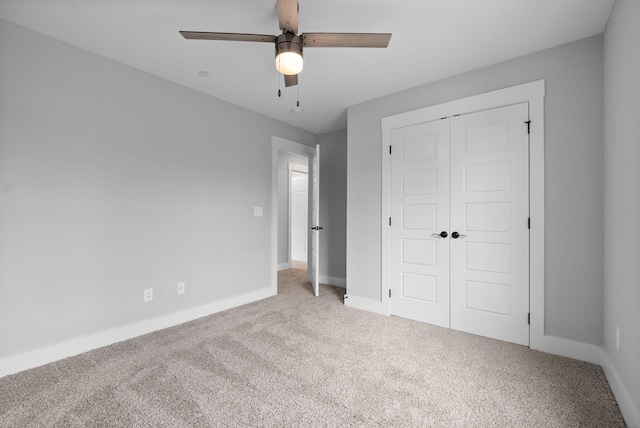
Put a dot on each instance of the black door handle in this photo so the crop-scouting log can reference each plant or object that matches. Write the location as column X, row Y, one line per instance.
column 316, row 227
column 442, row 234
column 456, row 235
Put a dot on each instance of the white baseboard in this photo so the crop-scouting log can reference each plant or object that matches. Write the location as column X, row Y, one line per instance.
column 629, row 411
column 550, row 344
column 49, row 354
column 284, row 266
column 332, row 280
column 568, row 348
column 365, row 304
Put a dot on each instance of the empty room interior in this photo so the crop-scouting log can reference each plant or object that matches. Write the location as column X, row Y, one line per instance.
column 424, row 214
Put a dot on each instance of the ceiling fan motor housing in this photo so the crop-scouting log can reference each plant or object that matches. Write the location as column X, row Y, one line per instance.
column 288, row 43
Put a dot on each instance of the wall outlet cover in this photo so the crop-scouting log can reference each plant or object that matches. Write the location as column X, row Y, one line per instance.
column 148, row 294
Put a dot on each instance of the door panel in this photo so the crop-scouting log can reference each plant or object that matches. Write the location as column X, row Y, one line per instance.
column 487, row 297
column 420, row 182
column 419, row 217
column 487, row 177
column 488, row 217
column 419, row 209
column 314, row 258
column 490, row 205
column 487, row 257
column 419, row 252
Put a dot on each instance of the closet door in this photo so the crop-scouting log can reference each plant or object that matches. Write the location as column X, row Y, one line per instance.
column 489, row 223
column 419, row 256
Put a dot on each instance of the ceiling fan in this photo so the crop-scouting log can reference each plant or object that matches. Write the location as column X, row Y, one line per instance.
column 289, row 44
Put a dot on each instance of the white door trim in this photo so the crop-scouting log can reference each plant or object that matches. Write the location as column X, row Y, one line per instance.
column 279, row 144
column 533, row 93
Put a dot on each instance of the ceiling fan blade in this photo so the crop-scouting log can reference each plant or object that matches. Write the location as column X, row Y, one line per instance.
column 239, row 37
column 290, row 80
column 346, row 40
column 288, row 15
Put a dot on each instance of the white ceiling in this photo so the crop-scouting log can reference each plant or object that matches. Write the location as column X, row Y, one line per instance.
column 432, row 39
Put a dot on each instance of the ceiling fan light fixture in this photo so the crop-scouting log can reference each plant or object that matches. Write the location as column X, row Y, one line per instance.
column 289, row 54
column 289, row 63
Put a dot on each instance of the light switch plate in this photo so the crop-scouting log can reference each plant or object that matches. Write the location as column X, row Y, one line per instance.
column 257, row 211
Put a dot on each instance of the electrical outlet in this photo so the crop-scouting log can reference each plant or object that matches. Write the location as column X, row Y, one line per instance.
column 618, row 338
column 181, row 288
column 148, row 294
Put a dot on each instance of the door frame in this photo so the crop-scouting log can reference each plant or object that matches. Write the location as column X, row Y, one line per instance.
column 532, row 93
column 279, row 144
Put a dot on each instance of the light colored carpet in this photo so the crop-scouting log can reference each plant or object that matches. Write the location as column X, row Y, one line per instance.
column 296, row 360
column 298, row 265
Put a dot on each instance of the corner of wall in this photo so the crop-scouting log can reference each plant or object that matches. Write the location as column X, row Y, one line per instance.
column 567, row 348
column 629, row 411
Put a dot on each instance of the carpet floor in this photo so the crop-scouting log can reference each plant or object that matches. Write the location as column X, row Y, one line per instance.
column 296, row 360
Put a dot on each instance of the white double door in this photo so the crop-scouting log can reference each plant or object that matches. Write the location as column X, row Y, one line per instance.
column 459, row 238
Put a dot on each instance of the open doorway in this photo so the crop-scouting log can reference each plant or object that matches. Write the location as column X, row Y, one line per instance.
column 295, row 184
column 298, row 196
column 287, row 275
column 292, row 209
column 295, row 278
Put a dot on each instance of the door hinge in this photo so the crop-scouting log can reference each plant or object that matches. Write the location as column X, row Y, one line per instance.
column 529, row 223
column 389, row 149
column 389, row 293
column 529, row 318
column 389, row 221
column 528, row 122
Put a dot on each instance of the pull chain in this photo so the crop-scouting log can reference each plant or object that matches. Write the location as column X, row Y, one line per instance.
column 279, row 83
column 298, row 95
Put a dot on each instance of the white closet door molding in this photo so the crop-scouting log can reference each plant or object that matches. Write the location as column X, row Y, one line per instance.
column 533, row 94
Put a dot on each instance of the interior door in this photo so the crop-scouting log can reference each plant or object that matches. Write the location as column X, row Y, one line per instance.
column 489, row 223
column 314, row 257
column 419, row 265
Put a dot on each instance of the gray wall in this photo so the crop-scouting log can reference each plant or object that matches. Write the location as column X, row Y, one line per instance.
column 283, row 201
column 112, row 181
column 573, row 171
column 622, row 194
column 333, row 203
